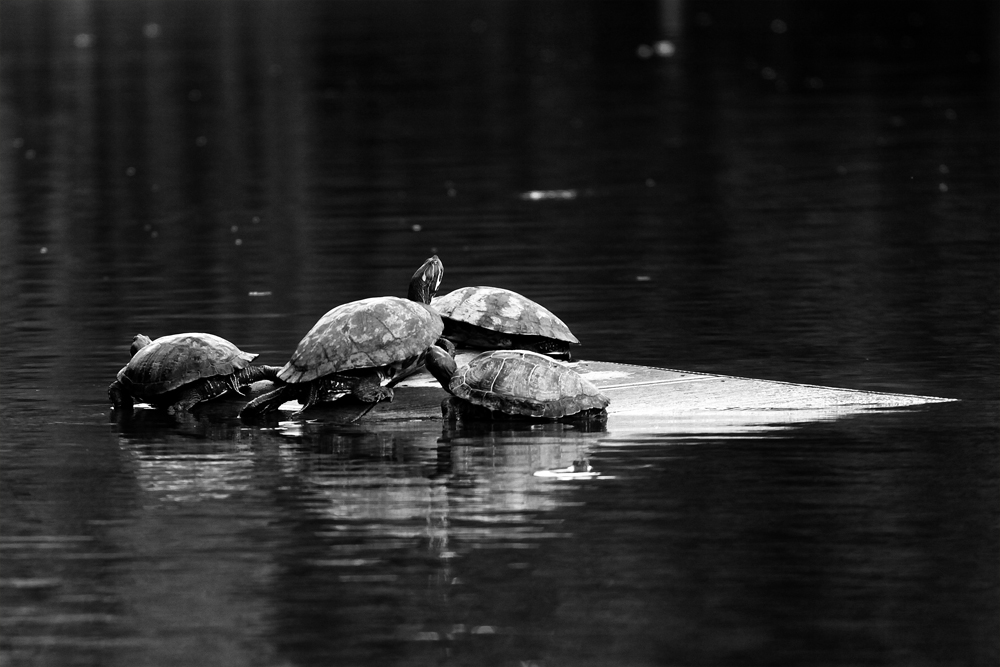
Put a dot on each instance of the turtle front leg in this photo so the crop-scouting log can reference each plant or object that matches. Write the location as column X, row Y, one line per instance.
column 120, row 397
column 450, row 409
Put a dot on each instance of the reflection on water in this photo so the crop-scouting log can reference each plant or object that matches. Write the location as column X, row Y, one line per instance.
column 793, row 191
column 363, row 514
column 418, row 541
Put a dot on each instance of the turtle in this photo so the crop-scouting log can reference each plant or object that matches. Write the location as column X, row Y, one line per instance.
column 493, row 318
column 360, row 348
column 518, row 383
column 181, row 370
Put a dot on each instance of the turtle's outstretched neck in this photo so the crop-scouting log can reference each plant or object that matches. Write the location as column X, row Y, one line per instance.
column 440, row 364
column 425, row 282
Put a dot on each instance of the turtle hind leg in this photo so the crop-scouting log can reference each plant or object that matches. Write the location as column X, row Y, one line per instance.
column 592, row 420
column 563, row 353
column 190, row 395
column 245, row 377
column 268, row 402
column 556, row 349
column 251, row 374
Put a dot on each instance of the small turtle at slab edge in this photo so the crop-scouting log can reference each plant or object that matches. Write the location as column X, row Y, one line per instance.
column 181, row 370
column 515, row 383
column 494, row 318
column 362, row 348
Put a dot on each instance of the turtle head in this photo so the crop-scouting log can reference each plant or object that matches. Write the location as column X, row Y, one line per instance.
column 425, row 282
column 440, row 364
column 140, row 341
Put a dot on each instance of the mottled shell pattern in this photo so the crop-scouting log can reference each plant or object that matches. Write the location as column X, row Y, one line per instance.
column 502, row 310
column 527, row 383
column 369, row 333
column 172, row 361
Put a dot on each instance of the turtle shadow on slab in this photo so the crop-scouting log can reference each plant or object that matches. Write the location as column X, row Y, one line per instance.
column 179, row 371
column 508, row 384
column 361, row 349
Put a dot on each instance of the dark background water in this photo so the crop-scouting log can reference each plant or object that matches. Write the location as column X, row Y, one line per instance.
column 784, row 190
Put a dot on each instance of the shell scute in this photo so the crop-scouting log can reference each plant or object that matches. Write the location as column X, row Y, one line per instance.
column 369, row 333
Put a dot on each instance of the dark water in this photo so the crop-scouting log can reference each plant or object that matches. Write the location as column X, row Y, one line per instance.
column 795, row 191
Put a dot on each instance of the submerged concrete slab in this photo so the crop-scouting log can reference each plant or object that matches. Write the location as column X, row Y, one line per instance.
column 668, row 401
column 646, row 390
column 660, row 400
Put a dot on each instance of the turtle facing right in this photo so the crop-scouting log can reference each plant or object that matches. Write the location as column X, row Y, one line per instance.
column 360, row 348
column 493, row 318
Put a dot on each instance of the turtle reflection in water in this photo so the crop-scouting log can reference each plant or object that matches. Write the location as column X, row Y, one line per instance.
column 181, row 370
column 493, row 318
column 360, row 348
column 517, row 383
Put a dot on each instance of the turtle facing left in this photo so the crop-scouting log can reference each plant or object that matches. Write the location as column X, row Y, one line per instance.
column 181, row 370
column 514, row 383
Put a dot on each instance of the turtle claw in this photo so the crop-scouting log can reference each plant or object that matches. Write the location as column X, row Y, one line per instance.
column 383, row 394
column 233, row 385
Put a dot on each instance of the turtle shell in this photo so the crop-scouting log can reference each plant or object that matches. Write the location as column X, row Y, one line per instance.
column 525, row 383
column 369, row 333
column 502, row 310
column 178, row 359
